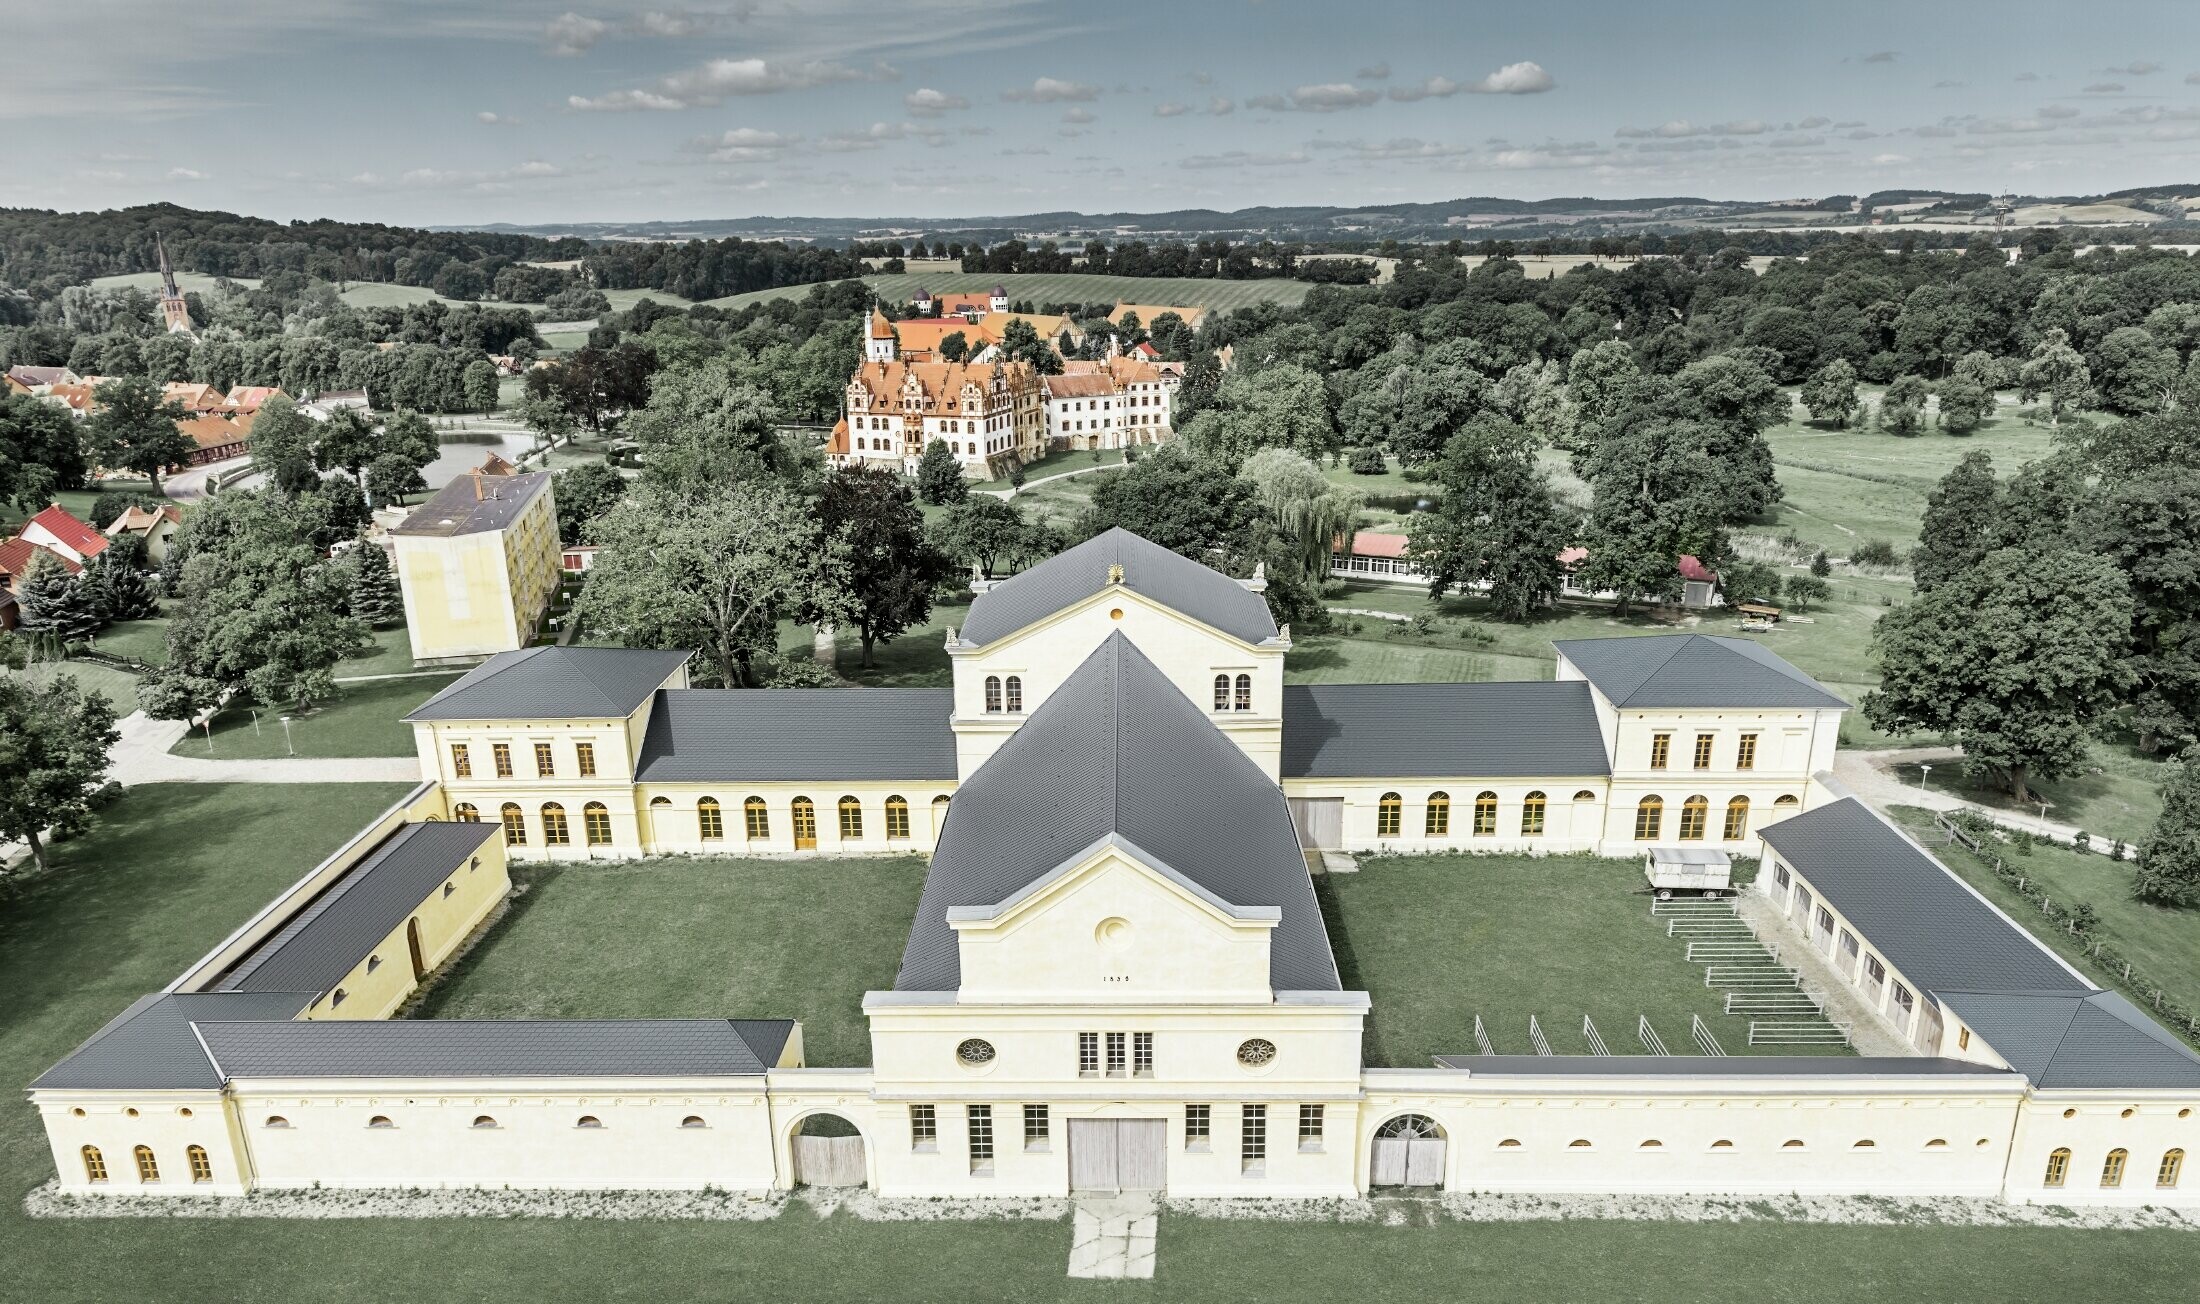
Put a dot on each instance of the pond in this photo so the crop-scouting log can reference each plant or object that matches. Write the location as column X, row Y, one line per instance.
column 1405, row 504
column 460, row 451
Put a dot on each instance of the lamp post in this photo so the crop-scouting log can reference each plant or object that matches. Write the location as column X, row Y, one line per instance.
column 287, row 744
column 1924, row 778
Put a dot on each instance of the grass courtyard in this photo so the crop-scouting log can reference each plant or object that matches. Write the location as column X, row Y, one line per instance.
column 364, row 719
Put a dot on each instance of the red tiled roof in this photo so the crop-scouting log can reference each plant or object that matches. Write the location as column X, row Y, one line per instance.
column 1687, row 565
column 1368, row 543
column 137, row 520
column 76, row 534
column 16, row 555
column 210, row 431
column 838, row 444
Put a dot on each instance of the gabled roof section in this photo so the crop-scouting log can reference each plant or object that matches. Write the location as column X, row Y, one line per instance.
column 1335, row 731
column 555, row 683
column 2086, row 1039
column 1150, row 570
column 471, row 1048
column 151, row 1045
column 1694, row 670
column 350, row 917
column 1117, row 751
column 475, row 504
column 797, row 735
column 73, row 533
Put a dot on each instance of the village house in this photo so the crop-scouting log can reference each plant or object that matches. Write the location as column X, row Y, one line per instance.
column 154, row 526
column 479, row 565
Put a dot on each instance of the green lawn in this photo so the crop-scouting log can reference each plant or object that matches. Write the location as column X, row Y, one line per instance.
column 1056, row 463
column 686, row 937
column 2119, row 795
column 1436, row 940
column 1063, row 287
column 118, row 686
column 2163, row 942
column 391, row 655
column 363, row 720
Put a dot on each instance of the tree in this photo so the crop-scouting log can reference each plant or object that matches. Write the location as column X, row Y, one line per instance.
column 1960, row 516
column 597, row 386
column 1655, row 494
column 954, row 347
column 981, row 531
column 1311, row 515
column 705, row 427
column 283, row 440
column 115, row 588
column 2018, row 659
column 582, row 494
column 1278, row 407
column 1902, row 407
column 2057, row 372
column 939, row 476
column 55, row 610
column 134, row 429
column 39, row 452
column 1964, row 405
column 2144, row 514
column 374, row 597
column 53, row 757
column 2133, row 371
column 2169, row 859
column 892, row 565
column 1601, row 382
column 1749, row 581
column 714, row 567
column 1021, row 343
column 1807, row 591
column 481, row 385
column 1175, row 497
column 1830, row 396
column 1498, row 523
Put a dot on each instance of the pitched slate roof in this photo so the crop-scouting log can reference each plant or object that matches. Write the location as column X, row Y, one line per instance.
column 467, row 1048
column 1693, row 670
column 351, row 916
column 710, row 735
column 1937, row 931
column 1118, row 751
column 2086, row 1039
column 555, row 683
column 475, row 504
column 151, row 1046
column 1411, row 730
column 1178, row 583
column 1714, row 1066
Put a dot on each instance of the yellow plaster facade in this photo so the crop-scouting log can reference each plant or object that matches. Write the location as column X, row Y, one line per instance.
column 473, row 592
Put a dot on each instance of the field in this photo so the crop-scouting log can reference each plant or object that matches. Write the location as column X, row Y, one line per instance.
column 363, row 720
column 1065, row 287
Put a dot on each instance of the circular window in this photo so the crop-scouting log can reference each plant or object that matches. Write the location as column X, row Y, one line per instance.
column 1114, row 933
column 1115, row 613
column 1256, row 1052
column 975, row 1051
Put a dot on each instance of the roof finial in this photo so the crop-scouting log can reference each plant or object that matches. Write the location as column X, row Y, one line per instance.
column 1115, row 573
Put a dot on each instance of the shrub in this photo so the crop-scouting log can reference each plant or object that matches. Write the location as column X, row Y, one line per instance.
column 1875, row 552
column 1366, row 460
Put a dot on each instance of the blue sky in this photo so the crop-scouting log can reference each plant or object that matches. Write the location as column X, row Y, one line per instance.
column 450, row 111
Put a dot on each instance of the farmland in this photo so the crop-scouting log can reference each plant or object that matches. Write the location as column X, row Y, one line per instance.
column 1065, row 287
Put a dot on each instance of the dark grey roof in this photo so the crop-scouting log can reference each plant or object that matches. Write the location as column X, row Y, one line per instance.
column 1411, row 730
column 151, row 1047
column 1693, row 670
column 475, row 503
column 465, row 1048
column 2088, row 1039
column 1910, row 907
column 341, row 925
column 554, row 683
column 1178, row 583
column 822, row 735
column 1709, row 1066
column 1118, row 751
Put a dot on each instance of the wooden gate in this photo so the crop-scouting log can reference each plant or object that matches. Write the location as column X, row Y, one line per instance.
column 412, row 943
column 828, row 1160
column 1408, row 1151
column 1320, row 822
column 1118, row 1154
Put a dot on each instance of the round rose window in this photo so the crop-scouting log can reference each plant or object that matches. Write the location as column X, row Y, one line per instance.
column 1256, row 1052
column 975, row 1051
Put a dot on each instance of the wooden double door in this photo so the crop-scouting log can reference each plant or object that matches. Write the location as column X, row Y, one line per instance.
column 1118, row 1154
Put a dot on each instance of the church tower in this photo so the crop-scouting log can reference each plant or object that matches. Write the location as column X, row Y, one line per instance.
column 879, row 342
column 173, row 310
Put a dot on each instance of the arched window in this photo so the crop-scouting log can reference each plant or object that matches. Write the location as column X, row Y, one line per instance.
column 897, row 818
column 1509, row 1143
column 1937, row 1143
column 1652, row 1144
column 1585, row 795
column 1243, row 700
column 1222, row 692
column 95, row 1165
column 1579, row 1143
column 554, row 831
column 1439, row 815
column 1388, row 815
column 1789, row 800
column 756, row 820
column 1015, row 687
column 589, row 1121
column 2058, row 1168
column 2173, row 1167
column 1737, row 819
column 1791, row 1145
column 692, row 1120
column 1695, row 813
column 805, row 823
column 2112, row 1169
column 202, row 1167
column 710, row 821
column 380, row 1121
column 277, row 1121
column 596, row 823
column 149, row 1168
column 992, row 694
column 515, row 825
column 1866, row 1144
column 1532, row 808
column 465, row 813
column 1649, row 818
column 1485, row 814
column 1722, row 1145
column 484, row 1121
column 851, row 819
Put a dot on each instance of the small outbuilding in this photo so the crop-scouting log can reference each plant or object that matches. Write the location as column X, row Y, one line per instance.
column 1698, row 871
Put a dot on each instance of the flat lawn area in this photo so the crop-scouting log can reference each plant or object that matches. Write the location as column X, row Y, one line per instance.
column 391, row 655
column 2162, row 942
column 1342, row 659
column 1056, row 463
column 185, row 281
column 363, row 720
column 146, row 640
column 692, row 938
column 1437, row 940
column 79, row 502
column 2119, row 796
column 118, row 686
column 1043, row 288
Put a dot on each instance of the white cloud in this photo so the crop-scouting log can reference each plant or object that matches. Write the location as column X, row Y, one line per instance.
column 571, row 34
column 1171, row 110
column 1220, row 105
column 1052, row 90
column 493, row 119
column 2028, row 76
column 2105, row 88
column 1080, row 116
column 1523, row 78
column 186, row 174
column 926, row 102
column 745, row 145
column 1883, row 56
column 1682, row 129
column 2138, row 68
column 1814, row 123
column 1890, row 158
column 2058, row 111
column 1327, row 97
column 711, row 83
column 1238, row 158
column 1440, row 88
column 1374, row 72
column 878, row 135
column 1947, row 85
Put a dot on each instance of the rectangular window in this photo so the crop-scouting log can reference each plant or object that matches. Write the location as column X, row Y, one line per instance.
column 1199, row 1121
column 202, row 1167
column 501, row 753
column 462, row 765
column 586, row 752
column 897, row 818
column 1703, row 751
column 1253, row 1139
column 1849, row 951
column 981, row 1140
column 710, row 822
column 1963, row 1039
column 1035, row 1127
column 1661, row 748
column 1118, row 1056
column 1781, row 876
column 1745, row 755
column 1088, row 1054
column 1310, row 1127
column 545, row 767
column 924, row 1127
column 1142, row 1054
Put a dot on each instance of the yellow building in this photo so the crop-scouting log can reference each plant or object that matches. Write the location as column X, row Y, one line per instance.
column 478, row 563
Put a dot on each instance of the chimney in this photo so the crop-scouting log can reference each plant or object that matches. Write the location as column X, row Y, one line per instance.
column 477, row 486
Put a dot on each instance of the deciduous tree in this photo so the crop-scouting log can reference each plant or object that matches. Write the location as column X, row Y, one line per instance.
column 2056, row 372
column 1498, row 523
column 53, row 756
column 134, row 429
column 892, row 564
column 1960, row 521
column 1830, row 396
column 2169, row 859
column 940, row 478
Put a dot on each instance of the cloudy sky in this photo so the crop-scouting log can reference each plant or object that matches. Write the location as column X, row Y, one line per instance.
column 451, row 111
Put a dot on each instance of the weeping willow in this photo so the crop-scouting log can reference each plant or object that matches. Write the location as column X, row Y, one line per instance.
column 1314, row 514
